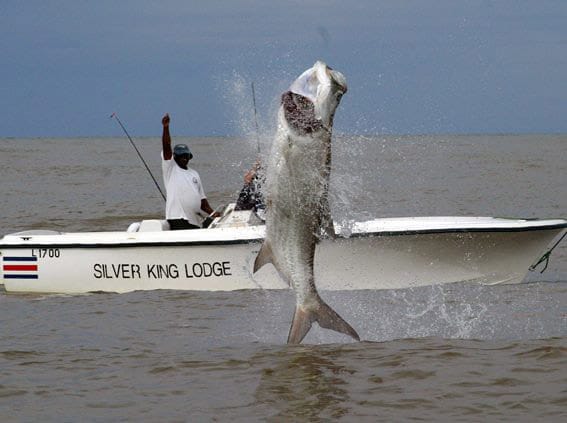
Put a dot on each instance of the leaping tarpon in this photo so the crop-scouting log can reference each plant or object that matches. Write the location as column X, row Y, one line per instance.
column 298, row 212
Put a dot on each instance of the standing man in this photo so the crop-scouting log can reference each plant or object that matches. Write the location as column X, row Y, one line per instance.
column 186, row 198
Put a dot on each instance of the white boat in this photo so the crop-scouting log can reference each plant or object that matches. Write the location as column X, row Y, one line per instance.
column 388, row 253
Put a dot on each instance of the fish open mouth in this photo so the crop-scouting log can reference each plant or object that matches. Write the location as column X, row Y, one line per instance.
column 299, row 113
column 299, row 103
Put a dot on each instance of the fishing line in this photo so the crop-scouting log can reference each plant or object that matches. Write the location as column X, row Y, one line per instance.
column 256, row 119
column 115, row 116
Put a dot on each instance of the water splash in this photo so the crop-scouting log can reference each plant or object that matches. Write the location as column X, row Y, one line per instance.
column 452, row 312
column 256, row 128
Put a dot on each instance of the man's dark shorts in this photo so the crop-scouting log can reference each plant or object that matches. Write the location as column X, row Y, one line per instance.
column 177, row 224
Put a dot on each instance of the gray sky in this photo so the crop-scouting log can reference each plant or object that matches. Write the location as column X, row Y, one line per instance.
column 413, row 67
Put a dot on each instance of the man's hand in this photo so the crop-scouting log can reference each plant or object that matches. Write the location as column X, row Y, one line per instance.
column 206, row 207
column 249, row 176
column 166, row 138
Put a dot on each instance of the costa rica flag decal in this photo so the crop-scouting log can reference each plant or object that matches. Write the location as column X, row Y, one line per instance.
column 20, row 267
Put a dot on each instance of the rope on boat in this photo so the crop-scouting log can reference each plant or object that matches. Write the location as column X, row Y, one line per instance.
column 546, row 256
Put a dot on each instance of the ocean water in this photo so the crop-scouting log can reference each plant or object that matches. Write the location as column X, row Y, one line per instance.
column 461, row 352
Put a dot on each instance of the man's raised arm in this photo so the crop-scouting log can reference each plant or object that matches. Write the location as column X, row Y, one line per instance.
column 166, row 139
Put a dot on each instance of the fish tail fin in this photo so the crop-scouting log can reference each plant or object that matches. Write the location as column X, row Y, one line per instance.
column 264, row 256
column 324, row 315
column 302, row 322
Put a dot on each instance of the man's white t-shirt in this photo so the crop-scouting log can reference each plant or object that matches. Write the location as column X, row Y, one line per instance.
column 184, row 192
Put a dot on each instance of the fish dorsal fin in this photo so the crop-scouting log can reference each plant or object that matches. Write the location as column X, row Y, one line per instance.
column 264, row 256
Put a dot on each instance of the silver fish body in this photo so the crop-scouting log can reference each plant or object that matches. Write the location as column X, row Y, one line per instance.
column 297, row 194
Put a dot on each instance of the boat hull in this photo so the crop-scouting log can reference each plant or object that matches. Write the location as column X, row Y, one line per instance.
column 364, row 260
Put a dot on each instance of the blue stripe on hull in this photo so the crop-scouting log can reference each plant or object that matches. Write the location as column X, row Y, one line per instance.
column 21, row 277
column 19, row 259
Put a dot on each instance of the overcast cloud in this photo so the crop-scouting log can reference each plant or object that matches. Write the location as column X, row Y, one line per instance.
column 412, row 66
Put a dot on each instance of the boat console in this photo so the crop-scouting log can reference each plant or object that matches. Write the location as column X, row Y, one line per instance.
column 229, row 218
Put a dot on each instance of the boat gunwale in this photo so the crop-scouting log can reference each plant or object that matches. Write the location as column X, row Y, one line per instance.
column 182, row 243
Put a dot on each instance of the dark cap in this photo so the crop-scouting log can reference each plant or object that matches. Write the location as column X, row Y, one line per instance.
column 181, row 149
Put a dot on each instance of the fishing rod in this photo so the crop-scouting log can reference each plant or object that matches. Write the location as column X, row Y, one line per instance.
column 115, row 116
column 256, row 119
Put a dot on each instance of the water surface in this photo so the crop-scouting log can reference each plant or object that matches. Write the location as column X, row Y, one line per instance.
column 459, row 352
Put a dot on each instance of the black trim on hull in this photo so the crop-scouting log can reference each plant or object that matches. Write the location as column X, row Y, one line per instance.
column 258, row 240
column 459, row 230
column 137, row 244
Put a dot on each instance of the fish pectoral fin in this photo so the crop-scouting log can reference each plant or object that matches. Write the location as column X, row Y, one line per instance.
column 264, row 256
column 324, row 315
column 328, row 231
column 302, row 321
